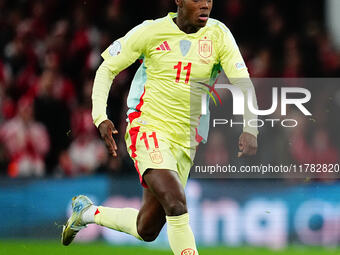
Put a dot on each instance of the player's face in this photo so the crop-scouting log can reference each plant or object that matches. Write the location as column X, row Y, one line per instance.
column 196, row 12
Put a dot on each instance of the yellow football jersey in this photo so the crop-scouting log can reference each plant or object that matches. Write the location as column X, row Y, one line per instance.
column 165, row 93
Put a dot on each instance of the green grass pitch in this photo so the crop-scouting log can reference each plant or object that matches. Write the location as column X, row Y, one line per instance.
column 100, row 248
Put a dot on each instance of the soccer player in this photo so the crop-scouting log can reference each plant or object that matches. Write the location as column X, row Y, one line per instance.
column 180, row 52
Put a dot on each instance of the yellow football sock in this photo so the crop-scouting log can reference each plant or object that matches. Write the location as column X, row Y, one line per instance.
column 120, row 219
column 181, row 238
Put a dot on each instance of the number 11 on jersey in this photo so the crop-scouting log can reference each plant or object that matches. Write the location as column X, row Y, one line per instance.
column 179, row 70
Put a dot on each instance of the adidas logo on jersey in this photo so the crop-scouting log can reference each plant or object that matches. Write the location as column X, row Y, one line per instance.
column 164, row 46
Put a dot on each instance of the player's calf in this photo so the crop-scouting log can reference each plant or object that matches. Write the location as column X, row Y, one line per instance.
column 148, row 235
column 151, row 217
column 169, row 191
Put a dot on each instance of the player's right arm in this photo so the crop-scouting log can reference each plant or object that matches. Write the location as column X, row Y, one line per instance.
column 118, row 56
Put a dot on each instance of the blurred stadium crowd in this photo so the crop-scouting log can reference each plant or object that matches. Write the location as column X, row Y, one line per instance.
column 50, row 50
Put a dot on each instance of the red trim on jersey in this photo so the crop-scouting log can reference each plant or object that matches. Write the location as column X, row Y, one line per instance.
column 133, row 132
column 166, row 45
column 97, row 212
column 135, row 115
column 198, row 138
column 141, row 101
column 162, row 46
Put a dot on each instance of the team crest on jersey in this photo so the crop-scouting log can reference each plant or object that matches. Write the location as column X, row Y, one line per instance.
column 205, row 48
column 156, row 156
column 188, row 251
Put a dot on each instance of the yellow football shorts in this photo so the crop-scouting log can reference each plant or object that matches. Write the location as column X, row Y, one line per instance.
column 149, row 149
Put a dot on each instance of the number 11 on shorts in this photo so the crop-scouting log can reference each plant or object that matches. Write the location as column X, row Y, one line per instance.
column 144, row 137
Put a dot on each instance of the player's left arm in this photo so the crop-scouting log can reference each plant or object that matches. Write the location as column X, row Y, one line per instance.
column 237, row 73
column 118, row 56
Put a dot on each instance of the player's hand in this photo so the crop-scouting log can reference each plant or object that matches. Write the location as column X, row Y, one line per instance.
column 106, row 129
column 247, row 144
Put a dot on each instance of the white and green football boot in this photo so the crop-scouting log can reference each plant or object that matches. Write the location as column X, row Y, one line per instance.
column 74, row 224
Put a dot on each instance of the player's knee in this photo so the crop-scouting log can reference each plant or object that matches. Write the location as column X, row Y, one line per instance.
column 174, row 203
column 175, row 208
column 146, row 234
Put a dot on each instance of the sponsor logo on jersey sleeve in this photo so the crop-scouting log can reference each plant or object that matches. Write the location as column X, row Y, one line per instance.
column 240, row 65
column 115, row 48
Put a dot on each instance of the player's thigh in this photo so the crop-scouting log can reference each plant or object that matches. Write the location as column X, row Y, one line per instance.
column 167, row 188
column 151, row 217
